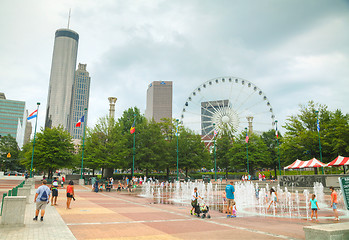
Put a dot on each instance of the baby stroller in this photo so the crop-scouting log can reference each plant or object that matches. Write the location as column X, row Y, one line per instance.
column 202, row 208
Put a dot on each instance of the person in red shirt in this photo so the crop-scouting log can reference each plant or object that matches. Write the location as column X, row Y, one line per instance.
column 334, row 203
column 70, row 193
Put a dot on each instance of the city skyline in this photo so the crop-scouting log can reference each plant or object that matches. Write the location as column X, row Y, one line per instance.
column 295, row 51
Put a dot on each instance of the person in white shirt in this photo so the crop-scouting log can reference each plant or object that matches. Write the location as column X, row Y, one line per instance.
column 194, row 200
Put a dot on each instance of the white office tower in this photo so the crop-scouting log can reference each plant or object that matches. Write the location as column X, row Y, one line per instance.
column 62, row 79
column 159, row 101
column 80, row 100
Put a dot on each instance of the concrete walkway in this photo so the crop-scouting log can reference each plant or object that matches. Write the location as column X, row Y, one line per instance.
column 115, row 215
column 53, row 226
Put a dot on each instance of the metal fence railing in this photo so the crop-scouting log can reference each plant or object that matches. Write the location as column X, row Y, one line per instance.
column 11, row 192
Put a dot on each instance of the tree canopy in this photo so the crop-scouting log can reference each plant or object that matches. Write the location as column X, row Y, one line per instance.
column 53, row 150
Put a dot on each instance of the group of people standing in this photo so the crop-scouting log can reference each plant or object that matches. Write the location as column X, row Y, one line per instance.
column 43, row 193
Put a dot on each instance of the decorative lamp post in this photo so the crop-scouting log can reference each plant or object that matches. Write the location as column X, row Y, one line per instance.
column 134, row 145
column 277, row 141
column 177, row 147
column 214, row 152
column 83, row 146
column 318, row 131
column 248, row 168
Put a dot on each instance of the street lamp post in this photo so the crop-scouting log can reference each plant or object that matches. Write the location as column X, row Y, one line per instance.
column 214, row 152
column 83, row 145
column 248, row 168
column 36, row 123
column 134, row 146
column 277, row 141
column 177, row 146
column 318, row 131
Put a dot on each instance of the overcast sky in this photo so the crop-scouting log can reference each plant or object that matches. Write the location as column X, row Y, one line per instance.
column 295, row 51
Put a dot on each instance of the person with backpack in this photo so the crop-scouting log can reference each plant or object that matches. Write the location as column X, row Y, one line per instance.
column 41, row 199
column 54, row 190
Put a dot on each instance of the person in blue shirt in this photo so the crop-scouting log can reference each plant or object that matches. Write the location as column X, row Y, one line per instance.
column 229, row 191
column 314, row 207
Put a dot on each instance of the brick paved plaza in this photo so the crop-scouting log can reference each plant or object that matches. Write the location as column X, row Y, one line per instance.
column 114, row 215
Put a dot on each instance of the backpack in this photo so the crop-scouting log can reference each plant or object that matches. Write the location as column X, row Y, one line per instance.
column 44, row 196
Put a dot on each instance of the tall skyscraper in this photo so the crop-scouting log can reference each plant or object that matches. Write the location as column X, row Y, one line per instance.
column 159, row 100
column 13, row 119
column 60, row 90
column 80, row 100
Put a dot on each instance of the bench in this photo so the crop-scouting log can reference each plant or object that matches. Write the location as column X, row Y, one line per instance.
column 336, row 231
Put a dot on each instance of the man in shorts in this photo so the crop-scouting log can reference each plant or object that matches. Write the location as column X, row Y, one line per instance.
column 229, row 192
column 54, row 189
column 334, row 203
column 41, row 199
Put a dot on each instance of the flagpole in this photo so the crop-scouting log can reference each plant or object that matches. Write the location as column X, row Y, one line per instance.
column 83, row 145
column 277, row 141
column 248, row 169
column 214, row 152
column 36, row 123
column 318, row 131
column 177, row 147
column 134, row 147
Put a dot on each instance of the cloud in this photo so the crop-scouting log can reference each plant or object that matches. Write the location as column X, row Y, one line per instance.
column 294, row 51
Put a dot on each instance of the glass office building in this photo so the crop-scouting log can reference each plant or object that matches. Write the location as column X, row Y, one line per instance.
column 80, row 100
column 63, row 67
column 13, row 119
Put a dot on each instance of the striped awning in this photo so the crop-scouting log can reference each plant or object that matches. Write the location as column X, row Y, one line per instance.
column 339, row 161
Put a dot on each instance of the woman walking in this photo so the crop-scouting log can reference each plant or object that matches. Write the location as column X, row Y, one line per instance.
column 70, row 193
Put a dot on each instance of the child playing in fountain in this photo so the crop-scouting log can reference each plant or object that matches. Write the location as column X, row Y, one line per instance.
column 314, row 207
column 234, row 210
column 274, row 198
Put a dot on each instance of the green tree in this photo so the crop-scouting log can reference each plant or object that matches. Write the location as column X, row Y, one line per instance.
column 169, row 153
column 192, row 151
column 223, row 144
column 126, row 121
column 8, row 145
column 258, row 154
column 105, row 145
column 53, row 150
column 301, row 139
column 150, row 147
column 270, row 141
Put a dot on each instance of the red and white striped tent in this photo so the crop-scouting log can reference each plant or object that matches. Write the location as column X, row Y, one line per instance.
column 295, row 164
column 312, row 163
column 339, row 161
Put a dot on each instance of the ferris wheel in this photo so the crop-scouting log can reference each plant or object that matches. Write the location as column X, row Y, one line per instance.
column 227, row 104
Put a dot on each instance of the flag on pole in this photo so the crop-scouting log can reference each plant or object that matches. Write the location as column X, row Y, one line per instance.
column 247, row 138
column 276, row 131
column 33, row 115
column 81, row 120
column 318, row 125
column 215, row 132
column 133, row 129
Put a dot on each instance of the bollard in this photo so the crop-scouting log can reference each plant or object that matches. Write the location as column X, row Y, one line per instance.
column 81, row 182
column 24, row 191
column 13, row 211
